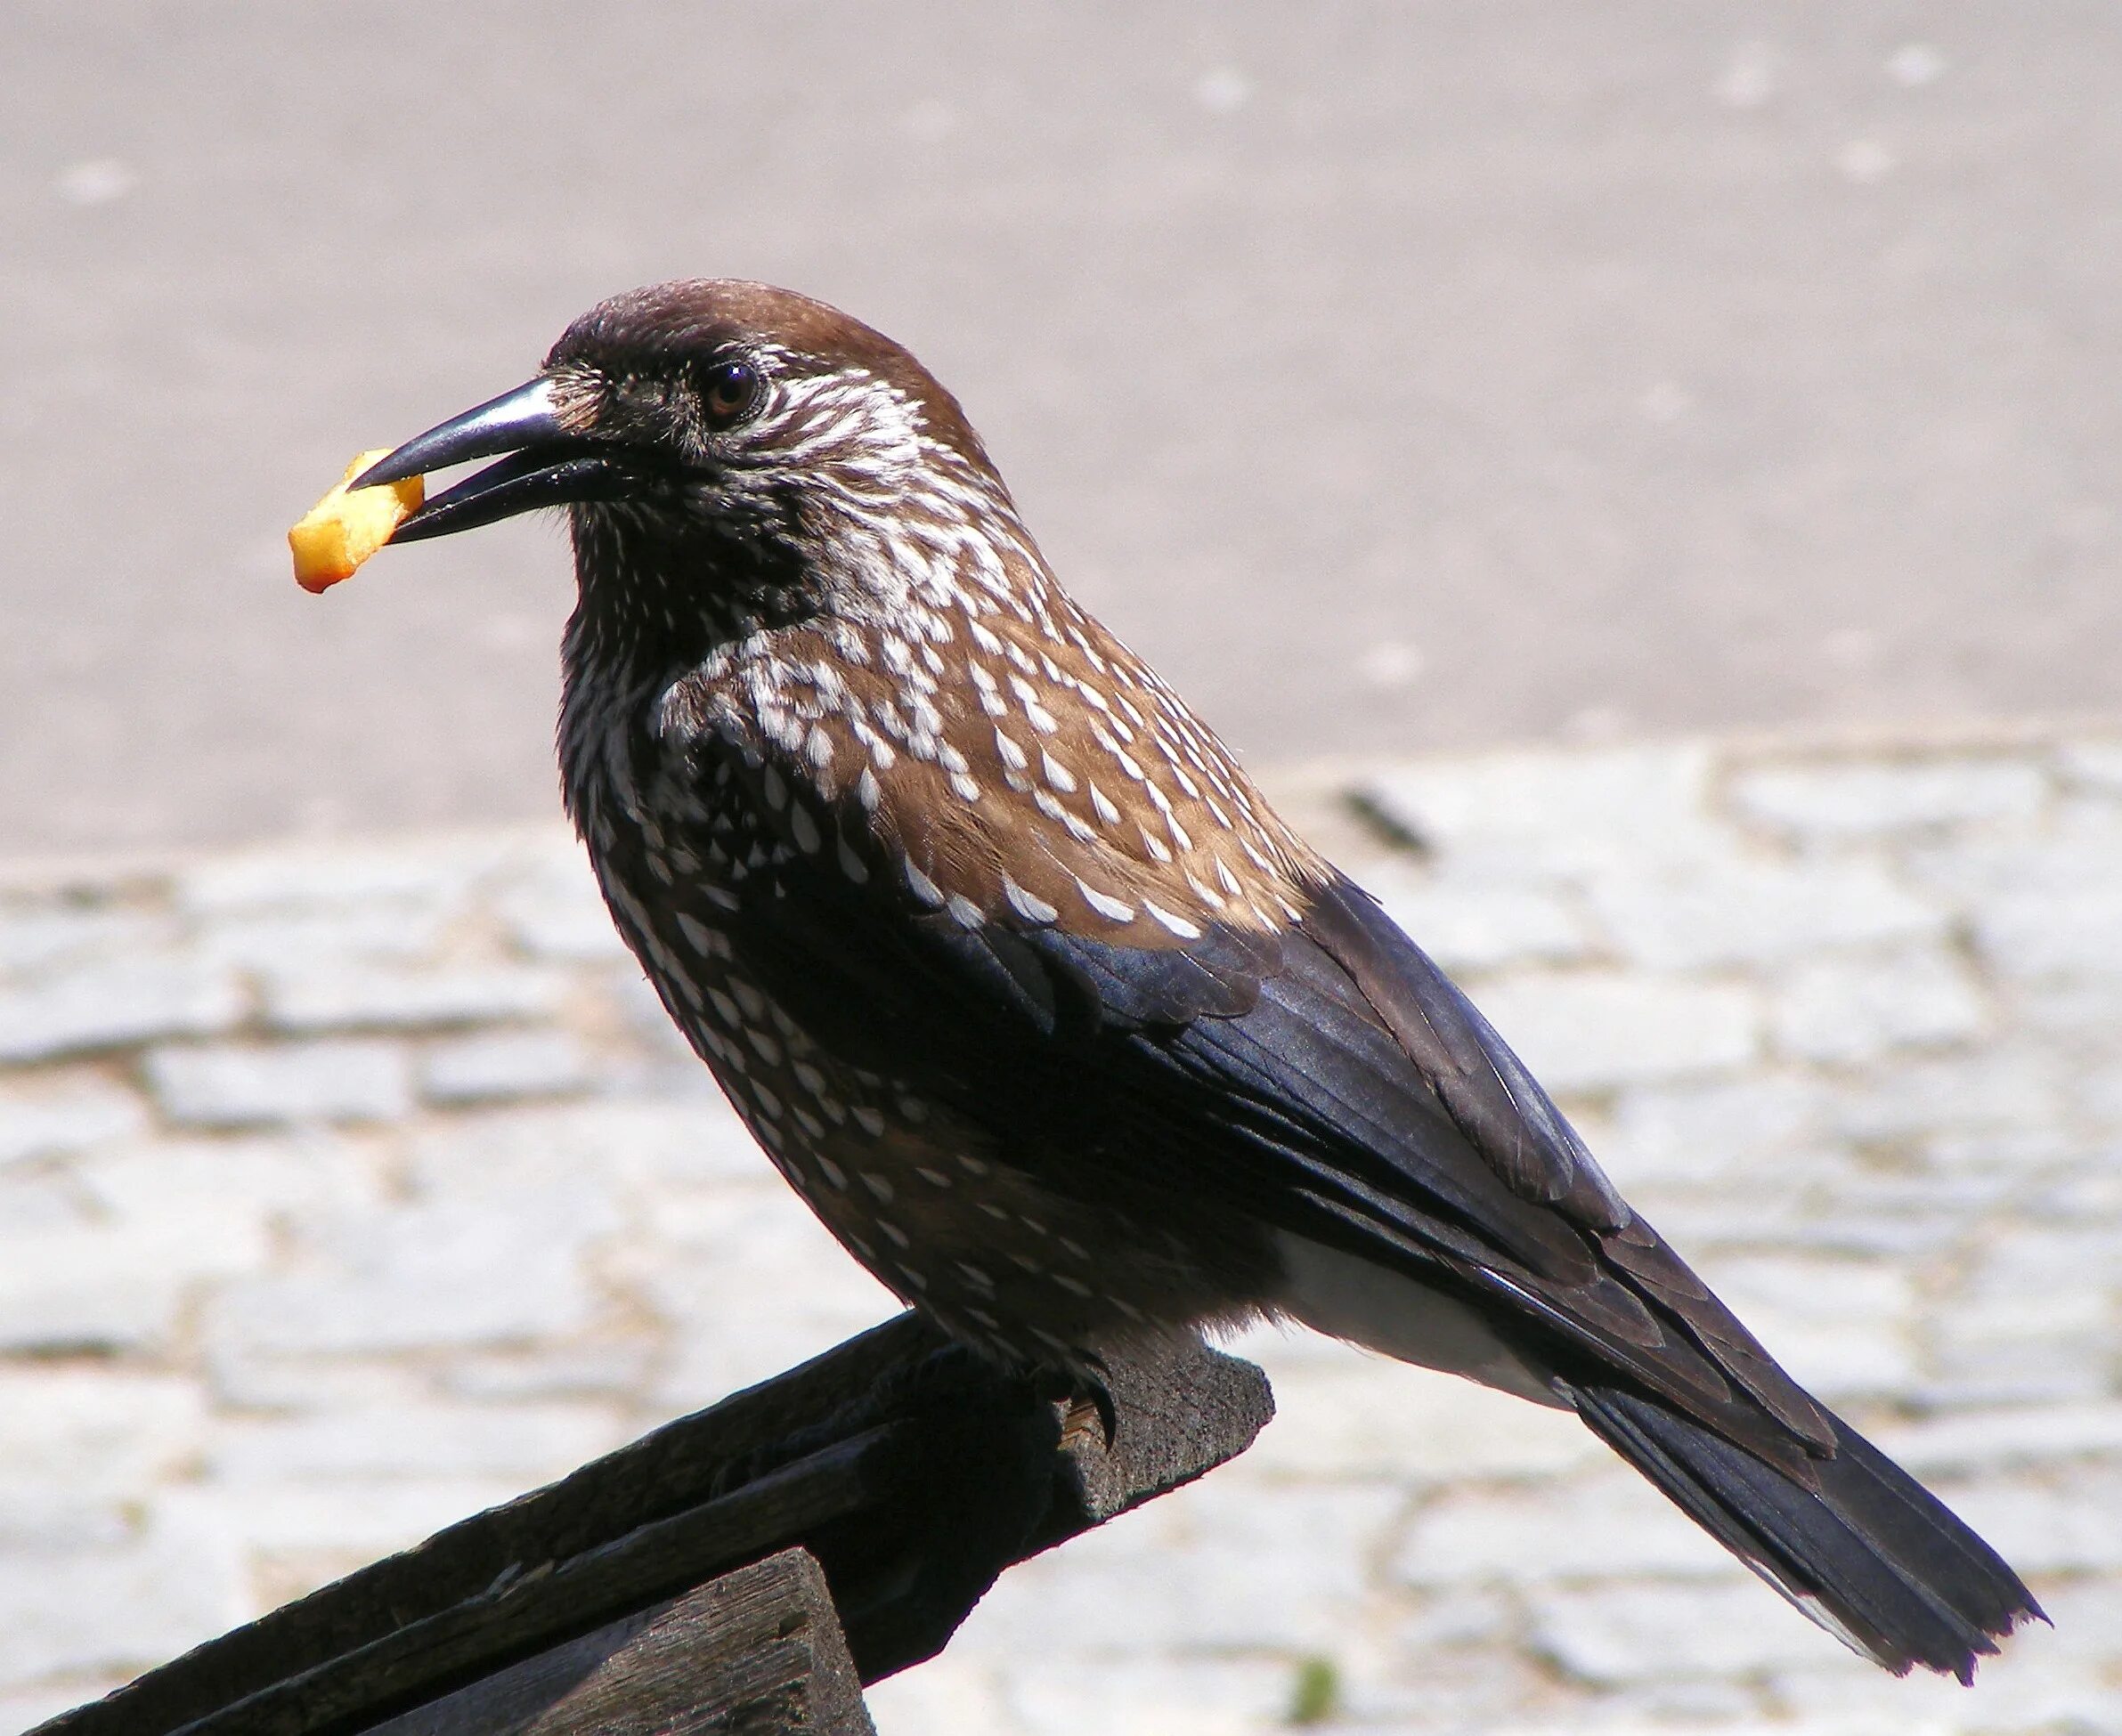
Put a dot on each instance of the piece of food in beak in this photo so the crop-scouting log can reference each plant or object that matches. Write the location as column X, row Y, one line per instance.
column 344, row 529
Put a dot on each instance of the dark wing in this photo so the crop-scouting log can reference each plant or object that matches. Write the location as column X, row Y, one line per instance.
column 1327, row 1078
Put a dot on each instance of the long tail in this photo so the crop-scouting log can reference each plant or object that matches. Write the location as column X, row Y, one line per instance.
column 1871, row 1556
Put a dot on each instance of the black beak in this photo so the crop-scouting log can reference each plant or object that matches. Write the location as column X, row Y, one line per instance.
column 545, row 466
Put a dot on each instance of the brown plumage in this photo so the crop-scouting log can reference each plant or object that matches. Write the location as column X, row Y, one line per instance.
column 1023, row 987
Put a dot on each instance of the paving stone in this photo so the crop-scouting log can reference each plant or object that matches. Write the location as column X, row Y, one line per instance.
column 1353, row 1416
column 1842, row 1328
column 236, row 1182
column 2001, row 1088
column 112, row 1005
column 1596, row 1030
column 2096, row 763
column 323, row 939
column 319, row 998
column 97, row 1434
column 2068, row 1525
column 247, row 1084
column 1178, row 1697
column 1709, row 1131
column 419, row 874
column 1558, row 812
column 1623, row 1633
column 649, row 1144
column 510, row 1066
column 1740, row 912
column 1855, row 1009
column 1861, row 800
column 330, row 1526
column 35, row 940
column 553, row 910
column 1467, row 923
column 1607, row 1525
column 749, row 1283
column 117, row 1608
column 48, row 1116
column 1957, row 1444
column 114, row 1283
column 1186, row 1572
column 530, row 1443
column 453, row 1272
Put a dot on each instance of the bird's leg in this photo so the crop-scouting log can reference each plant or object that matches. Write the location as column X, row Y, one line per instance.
column 1082, row 1389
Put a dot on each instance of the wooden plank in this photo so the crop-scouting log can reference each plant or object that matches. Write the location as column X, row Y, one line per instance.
column 757, row 1651
column 912, row 1470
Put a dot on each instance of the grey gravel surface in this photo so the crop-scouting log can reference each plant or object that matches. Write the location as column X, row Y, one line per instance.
column 345, row 1190
column 1396, row 376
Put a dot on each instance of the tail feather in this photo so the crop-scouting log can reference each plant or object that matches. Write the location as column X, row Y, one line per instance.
column 1871, row 1555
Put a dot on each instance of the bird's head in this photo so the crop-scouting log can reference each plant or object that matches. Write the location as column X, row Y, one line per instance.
column 725, row 436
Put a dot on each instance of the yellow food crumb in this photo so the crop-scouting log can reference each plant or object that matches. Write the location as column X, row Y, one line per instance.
column 343, row 529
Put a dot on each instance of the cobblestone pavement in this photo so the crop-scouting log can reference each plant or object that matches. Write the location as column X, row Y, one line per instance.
column 343, row 1192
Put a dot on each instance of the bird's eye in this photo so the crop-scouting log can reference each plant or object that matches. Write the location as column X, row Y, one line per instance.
column 729, row 392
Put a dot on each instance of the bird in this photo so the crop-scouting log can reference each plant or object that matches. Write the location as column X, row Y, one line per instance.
column 1021, row 984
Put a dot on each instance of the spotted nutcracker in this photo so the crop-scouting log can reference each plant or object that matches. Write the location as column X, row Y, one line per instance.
column 1027, row 991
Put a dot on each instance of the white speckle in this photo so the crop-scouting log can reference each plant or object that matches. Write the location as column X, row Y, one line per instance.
column 934, row 1178
column 898, row 1236
column 851, row 864
column 1012, row 756
column 1866, row 161
column 768, row 1104
column 963, row 787
column 724, row 1008
column 920, row 886
column 866, row 790
column 767, row 1049
column 1229, row 880
column 1075, row 1248
column 993, row 1210
column 832, row 1171
column 1030, row 907
column 99, row 181
column 1178, row 925
column 1915, row 64
column 1182, row 838
column 984, row 1318
column 970, row 1164
column 805, row 829
column 1390, row 663
column 1101, row 804
column 776, row 788
column 1058, row 775
column 913, row 1109
column 1750, row 78
column 967, row 915
column 868, row 1120
column 1223, row 90
column 698, row 935
column 879, row 1186
column 1155, row 845
column 975, row 1276
column 1073, row 1287
column 1112, row 909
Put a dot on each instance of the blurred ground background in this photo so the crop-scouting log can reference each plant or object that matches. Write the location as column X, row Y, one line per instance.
column 1723, row 400
column 1396, row 376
